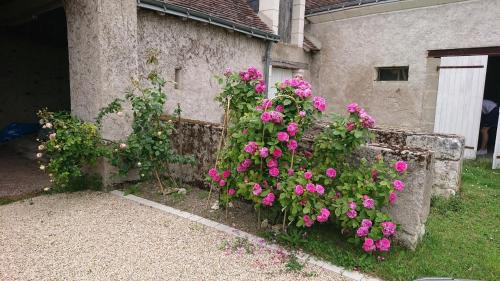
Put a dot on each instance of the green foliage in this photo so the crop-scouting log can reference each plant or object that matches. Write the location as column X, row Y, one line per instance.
column 148, row 148
column 458, row 244
column 72, row 149
column 293, row 264
column 133, row 189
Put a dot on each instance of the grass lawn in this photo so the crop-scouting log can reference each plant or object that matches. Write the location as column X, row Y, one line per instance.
column 462, row 239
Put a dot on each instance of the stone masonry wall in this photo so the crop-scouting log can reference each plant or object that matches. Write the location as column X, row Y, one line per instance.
column 201, row 140
column 448, row 153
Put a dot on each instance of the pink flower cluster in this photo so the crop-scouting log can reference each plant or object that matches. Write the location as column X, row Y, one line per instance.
column 260, row 87
column 251, row 147
column 302, row 87
column 269, row 199
column 251, row 74
column 382, row 245
column 272, row 116
column 364, row 229
column 219, row 178
column 388, row 228
column 351, row 213
column 244, row 165
column 319, row 103
column 368, row 202
column 323, row 216
column 401, row 166
column 331, row 173
column 366, row 120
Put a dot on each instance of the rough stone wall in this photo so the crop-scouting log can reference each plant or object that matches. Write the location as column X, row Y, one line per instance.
column 352, row 48
column 34, row 72
column 200, row 52
column 447, row 150
column 201, row 140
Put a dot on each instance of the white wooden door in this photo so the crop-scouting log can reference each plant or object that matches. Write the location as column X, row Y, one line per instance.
column 278, row 75
column 459, row 100
column 496, row 153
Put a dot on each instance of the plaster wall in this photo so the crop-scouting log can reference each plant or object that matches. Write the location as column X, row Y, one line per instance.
column 352, row 48
column 199, row 52
column 102, row 40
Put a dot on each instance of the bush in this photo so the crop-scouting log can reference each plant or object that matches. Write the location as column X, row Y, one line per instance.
column 261, row 161
column 70, row 151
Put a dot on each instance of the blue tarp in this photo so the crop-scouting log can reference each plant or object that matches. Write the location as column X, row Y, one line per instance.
column 17, row 130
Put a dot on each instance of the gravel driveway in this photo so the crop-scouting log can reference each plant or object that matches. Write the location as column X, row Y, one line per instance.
column 99, row 236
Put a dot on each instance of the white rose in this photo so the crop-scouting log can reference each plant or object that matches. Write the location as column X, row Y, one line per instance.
column 41, row 147
column 46, row 189
column 52, row 136
column 42, row 167
column 123, row 145
column 39, row 155
column 159, row 133
column 41, row 122
column 49, row 125
column 57, row 146
column 139, row 164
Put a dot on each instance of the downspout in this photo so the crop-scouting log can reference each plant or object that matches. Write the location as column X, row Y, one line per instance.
column 267, row 64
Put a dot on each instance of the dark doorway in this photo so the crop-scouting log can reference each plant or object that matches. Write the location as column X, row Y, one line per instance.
column 491, row 93
column 34, row 75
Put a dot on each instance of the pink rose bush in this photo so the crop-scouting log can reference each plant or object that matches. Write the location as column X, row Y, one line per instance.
column 263, row 162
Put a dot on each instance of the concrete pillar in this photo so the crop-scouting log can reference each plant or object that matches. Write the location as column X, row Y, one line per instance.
column 269, row 11
column 298, row 12
column 102, row 41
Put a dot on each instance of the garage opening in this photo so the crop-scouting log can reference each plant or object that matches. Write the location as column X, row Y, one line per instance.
column 490, row 111
column 34, row 75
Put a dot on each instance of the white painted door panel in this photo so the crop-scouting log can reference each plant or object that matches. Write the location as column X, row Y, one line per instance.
column 459, row 100
column 496, row 153
column 278, row 75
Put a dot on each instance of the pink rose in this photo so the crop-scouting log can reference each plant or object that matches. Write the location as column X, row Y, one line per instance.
column 257, row 189
column 383, row 245
column 362, row 231
column 302, row 114
column 231, row 191
column 260, row 87
column 268, row 200
column 308, row 222
column 324, row 215
column 388, row 228
column 401, row 166
column 319, row 103
column 265, row 117
column 308, row 175
column 272, row 163
column 350, row 126
column 352, row 107
column 398, row 185
column 212, row 172
column 277, row 153
column 311, row 187
column 291, row 172
column 331, row 173
column 283, row 137
column 352, row 214
column 299, row 190
column 366, row 223
column 264, row 152
column 320, row 189
column 368, row 202
column 368, row 245
column 222, row 182
column 227, row 71
column 352, row 205
column 292, row 129
column 280, row 108
column 251, row 147
column 292, row 145
column 393, row 197
column 274, row 172
column 266, row 103
column 226, row 174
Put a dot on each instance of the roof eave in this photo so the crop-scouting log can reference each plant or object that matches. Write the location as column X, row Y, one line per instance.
column 175, row 10
column 344, row 6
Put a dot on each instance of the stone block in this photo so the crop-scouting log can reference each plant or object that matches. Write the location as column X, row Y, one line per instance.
column 413, row 204
column 447, row 177
column 446, row 147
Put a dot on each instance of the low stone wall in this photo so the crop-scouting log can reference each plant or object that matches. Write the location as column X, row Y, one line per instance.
column 448, row 153
column 201, row 140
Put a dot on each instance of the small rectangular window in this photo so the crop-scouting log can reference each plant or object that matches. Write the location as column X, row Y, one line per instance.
column 393, row 73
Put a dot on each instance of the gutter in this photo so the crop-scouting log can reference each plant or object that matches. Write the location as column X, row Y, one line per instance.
column 162, row 7
column 346, row 6
column 267, row 63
